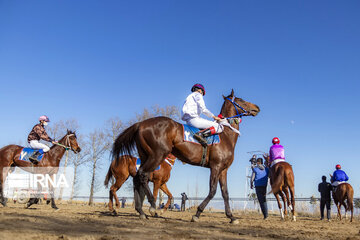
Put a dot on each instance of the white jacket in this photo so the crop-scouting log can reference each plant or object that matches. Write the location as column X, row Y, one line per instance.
column 194, row 105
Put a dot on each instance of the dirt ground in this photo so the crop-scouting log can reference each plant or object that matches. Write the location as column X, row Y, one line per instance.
column 84, row 222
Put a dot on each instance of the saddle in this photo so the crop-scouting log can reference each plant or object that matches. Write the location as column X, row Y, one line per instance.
column 189, row 132
column 28, row 152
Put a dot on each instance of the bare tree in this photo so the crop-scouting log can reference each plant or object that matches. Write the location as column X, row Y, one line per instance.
column 60, row 128
column 97, row 147
column 155, row 111
column 113, row 127
column 77, row 160
column 56, row 129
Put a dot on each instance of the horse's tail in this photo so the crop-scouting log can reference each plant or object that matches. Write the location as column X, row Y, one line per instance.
column 275, row 186
column 108, row 177
column 125, row 142
column 350, row 196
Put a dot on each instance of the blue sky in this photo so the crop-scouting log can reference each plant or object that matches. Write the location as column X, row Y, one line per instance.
column 93, row 60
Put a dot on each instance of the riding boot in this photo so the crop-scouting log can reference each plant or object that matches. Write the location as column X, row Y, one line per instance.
column 328, row 214
column 33, row 158
column 199, row 136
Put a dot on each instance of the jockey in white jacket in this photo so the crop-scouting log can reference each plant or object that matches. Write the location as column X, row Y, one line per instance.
column 193, row 107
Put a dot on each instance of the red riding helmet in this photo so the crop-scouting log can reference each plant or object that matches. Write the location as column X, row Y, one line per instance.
column 338, row 166
column 198, row 86
column 275, row 140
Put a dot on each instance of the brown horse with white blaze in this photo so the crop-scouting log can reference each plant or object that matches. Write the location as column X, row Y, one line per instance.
column 155, row 138
column 10, row 157
column 282, row 181
column 125, row 166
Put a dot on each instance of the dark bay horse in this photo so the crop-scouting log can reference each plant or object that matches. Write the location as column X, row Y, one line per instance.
column 344, row 192
column 9, row 157
column 282, row 181
column 125, row 166
column 155, row 138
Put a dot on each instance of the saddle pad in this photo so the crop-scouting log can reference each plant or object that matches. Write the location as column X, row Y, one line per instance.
column 27, row 152
column 189, row 132
column 276, row 161
column 138, row 163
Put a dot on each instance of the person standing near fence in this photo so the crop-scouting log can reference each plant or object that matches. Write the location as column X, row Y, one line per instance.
column 183, row 200
column 259, row 177
column 325, row 192
column 123, row 201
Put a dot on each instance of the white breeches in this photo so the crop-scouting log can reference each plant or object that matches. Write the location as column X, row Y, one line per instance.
column 38, row 145
column 203, row 124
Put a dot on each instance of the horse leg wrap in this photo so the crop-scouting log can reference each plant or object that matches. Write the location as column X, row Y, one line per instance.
column 282, row 214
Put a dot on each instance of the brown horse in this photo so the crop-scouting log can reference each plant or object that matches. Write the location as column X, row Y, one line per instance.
column 156, row 137
column 9, row 157
column 125, row 166
column 344, row 192
column 282, row 181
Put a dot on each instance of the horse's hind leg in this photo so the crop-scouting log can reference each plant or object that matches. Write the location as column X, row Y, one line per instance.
column 292, row 193
column 156, row 190
column 168, row 193
column 288, row 203
column 112, row 193
column 144, row 180
column 139, row 196
column 279, row 205
column 152, row 160
column 351, row 207
column 345, row 206
column 284, row 201
column 338, row 205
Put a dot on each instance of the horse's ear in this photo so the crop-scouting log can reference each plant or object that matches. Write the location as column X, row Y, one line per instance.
column 224, row 97
column 67, row 130
column 232, row 92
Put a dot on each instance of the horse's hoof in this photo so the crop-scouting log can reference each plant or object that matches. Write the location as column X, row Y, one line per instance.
column 234, row 222
column 152, row 211
column 57, row 209
column 194, row 219
column 114, row 213
column 294, row 218
column 143, row 217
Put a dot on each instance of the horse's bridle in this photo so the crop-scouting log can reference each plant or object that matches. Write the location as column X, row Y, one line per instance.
column 67, row 140
column 236, row 106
